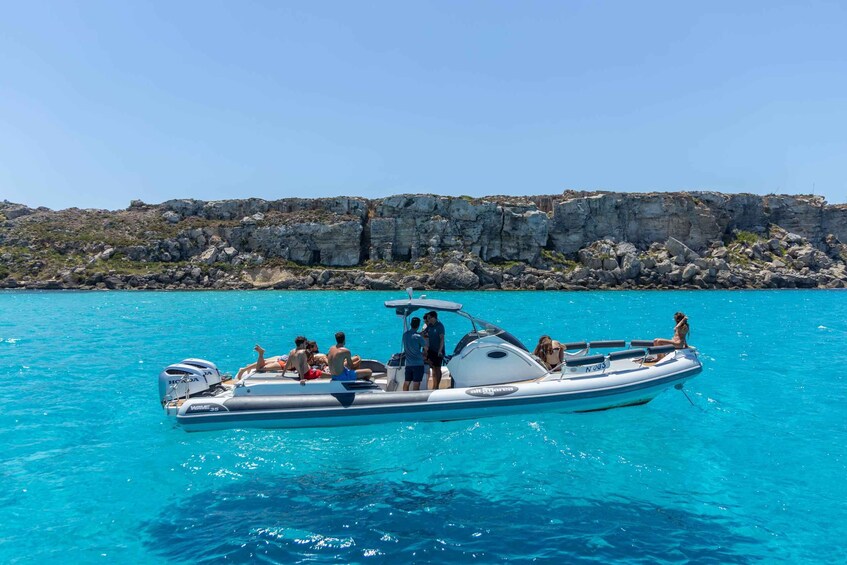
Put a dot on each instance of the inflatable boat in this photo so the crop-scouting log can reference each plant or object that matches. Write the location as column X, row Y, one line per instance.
column 489, row 373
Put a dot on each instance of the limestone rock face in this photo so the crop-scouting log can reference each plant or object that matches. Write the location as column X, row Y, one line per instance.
column 640, row 219
column 565, row 241
column 695, row 219
column 332, row 244
column 456, row 277
column 267, row 277
column 171, row 216
column 407, row 227
column 12, row 211
column 326, row 231
column 249, row 207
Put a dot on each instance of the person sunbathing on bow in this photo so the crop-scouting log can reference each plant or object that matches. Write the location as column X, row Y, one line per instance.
column 680, row 333
column 263, row 365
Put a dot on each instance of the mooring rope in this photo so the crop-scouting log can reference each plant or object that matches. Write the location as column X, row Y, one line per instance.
column 682, row 390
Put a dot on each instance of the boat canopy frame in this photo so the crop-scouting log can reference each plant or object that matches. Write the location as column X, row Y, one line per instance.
column 405, row 307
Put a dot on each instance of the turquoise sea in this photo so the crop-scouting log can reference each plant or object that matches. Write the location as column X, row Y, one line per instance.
column 755, row 470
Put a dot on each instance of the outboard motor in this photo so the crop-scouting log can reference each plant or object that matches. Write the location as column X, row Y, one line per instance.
column 213, row 375
column 192, row 377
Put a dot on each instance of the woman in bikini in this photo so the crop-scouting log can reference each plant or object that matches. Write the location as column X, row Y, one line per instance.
column 549, row 351
column 680, row 333
column 275, row 364
column 316, row 359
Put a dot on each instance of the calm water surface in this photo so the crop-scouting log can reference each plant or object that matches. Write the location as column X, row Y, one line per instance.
column 753, row 471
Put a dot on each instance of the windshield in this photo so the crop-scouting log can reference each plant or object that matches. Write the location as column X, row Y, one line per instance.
column 484, row 329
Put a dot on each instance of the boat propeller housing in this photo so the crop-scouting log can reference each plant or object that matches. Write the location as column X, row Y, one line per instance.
column 191, row 377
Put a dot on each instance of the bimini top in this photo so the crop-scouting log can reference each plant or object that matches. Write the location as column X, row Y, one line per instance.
column 409, row 305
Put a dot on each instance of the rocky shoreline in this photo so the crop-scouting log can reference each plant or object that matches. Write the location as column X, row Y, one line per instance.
column 572, row 241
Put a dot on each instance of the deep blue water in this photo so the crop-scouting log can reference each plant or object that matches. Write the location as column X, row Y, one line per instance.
column 754, row 471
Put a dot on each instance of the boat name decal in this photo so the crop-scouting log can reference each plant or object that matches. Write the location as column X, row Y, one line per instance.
column 484, row 391
column 206, row 408
column 589, row 368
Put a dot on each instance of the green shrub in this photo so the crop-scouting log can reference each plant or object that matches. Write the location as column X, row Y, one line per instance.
column 558, row 260
column 747, row 238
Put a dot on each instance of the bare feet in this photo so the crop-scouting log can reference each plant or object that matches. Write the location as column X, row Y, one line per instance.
column 260, row 362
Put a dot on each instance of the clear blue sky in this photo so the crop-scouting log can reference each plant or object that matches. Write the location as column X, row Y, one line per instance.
column 104, row 102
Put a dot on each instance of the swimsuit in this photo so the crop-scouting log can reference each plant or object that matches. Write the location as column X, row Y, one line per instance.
column 313, row 374
column 346, row 375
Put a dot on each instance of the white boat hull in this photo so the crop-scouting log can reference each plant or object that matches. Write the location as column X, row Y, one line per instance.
column 617, row 384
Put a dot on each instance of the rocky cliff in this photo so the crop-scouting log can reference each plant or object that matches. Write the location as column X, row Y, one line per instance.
column 571, row 240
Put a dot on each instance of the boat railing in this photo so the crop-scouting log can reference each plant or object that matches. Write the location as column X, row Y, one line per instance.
column 583, row 360
column 627, row 354
column 639, row 350
column 605, row 344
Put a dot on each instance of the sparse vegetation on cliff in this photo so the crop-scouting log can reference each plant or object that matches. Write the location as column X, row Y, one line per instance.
column 569, row 241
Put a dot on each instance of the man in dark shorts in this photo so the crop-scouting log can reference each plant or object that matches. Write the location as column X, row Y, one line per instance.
column 413, row 346
column 435, row 352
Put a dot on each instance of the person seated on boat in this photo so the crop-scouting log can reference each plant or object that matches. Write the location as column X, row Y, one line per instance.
column 413, row 347
column 343, row 365
column 550, row 351
column 316, row 359
column 298, row 360
column 680, row 333
column 263, row 364
column 679, row 339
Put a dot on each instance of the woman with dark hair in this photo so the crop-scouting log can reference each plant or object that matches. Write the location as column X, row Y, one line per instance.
column 680, row 333
column 549, row 351
column 315, row 358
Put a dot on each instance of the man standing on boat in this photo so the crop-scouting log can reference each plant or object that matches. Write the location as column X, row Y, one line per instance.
column 435, row 352
column 413, row 346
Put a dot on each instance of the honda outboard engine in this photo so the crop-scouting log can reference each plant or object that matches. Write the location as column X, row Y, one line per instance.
column 214, row 378
column 192, row 377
